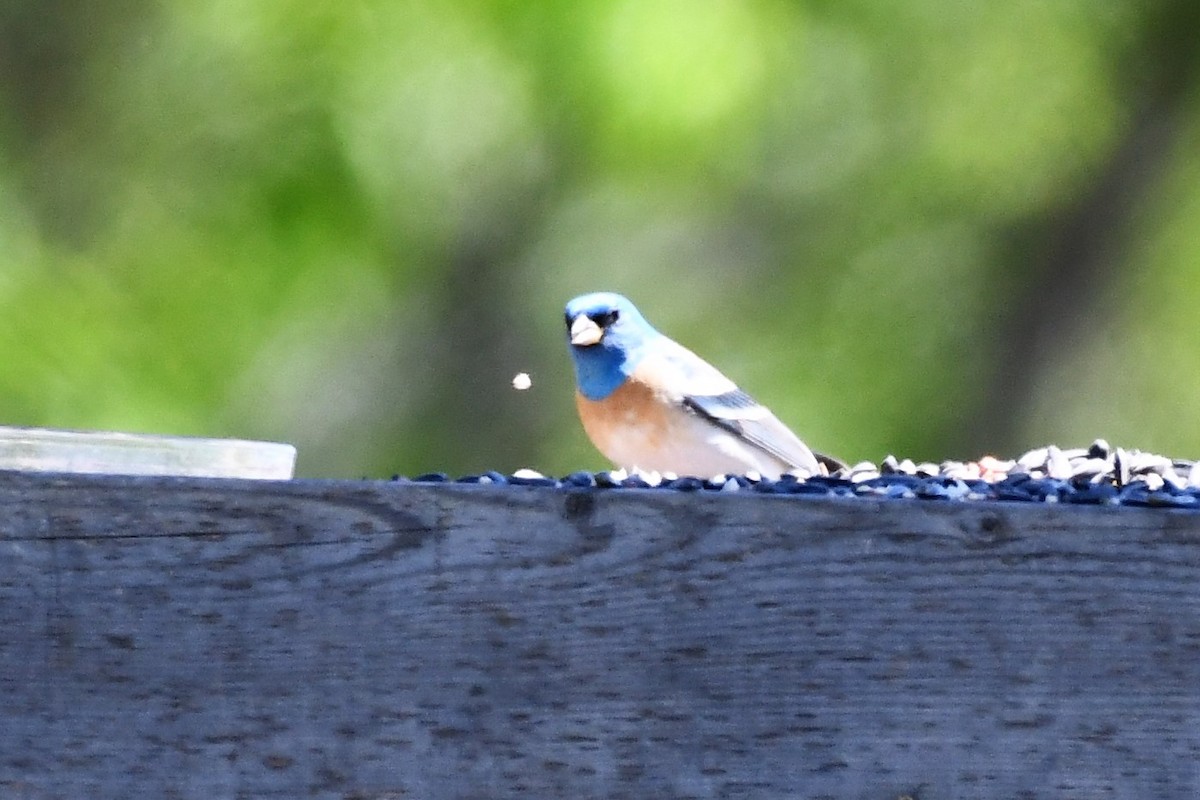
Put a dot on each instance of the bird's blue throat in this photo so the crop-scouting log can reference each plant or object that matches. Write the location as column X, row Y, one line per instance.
column 600, row 369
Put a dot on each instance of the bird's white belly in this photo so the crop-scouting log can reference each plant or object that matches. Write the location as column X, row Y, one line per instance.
column 690, row 446
column 637, row 430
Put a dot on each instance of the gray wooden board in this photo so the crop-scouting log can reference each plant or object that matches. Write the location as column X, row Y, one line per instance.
column 192, row 638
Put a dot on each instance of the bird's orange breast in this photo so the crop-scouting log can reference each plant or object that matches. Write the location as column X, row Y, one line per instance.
column 632, row 416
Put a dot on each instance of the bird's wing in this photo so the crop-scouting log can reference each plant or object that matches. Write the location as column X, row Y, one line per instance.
column 702, row 388
column 740, row 414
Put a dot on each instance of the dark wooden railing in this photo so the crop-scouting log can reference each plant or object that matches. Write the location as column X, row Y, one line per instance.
column 197, row 638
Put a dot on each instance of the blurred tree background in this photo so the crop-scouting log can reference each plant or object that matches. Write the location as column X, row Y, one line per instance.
column 928, row 228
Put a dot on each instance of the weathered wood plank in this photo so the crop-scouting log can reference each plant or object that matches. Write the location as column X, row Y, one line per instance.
column 184, row 638
column 112, row 453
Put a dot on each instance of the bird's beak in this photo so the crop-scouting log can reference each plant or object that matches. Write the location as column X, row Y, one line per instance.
column 585, row 332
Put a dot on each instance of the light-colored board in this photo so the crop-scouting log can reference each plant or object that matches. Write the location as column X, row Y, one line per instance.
column 101, row 452
column 181, row 638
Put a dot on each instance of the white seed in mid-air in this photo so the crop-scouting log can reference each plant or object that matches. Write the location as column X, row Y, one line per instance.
column 521, row 381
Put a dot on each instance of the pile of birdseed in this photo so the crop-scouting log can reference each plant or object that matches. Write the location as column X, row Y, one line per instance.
column 1095, row 475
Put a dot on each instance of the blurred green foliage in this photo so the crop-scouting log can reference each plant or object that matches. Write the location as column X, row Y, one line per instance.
column 924, row 228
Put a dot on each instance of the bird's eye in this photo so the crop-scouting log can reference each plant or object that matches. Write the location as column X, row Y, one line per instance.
column 608, row 318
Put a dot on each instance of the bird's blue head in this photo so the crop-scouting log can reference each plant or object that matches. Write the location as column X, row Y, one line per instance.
column 607, row 336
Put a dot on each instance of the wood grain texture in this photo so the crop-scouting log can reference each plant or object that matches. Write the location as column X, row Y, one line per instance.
column 188, row 638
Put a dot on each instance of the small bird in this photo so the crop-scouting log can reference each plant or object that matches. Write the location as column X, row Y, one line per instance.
column 650, row 404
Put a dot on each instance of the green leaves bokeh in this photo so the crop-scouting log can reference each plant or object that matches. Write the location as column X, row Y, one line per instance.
column 929, row 229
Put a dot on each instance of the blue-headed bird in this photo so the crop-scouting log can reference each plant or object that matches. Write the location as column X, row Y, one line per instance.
column 650, row 404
